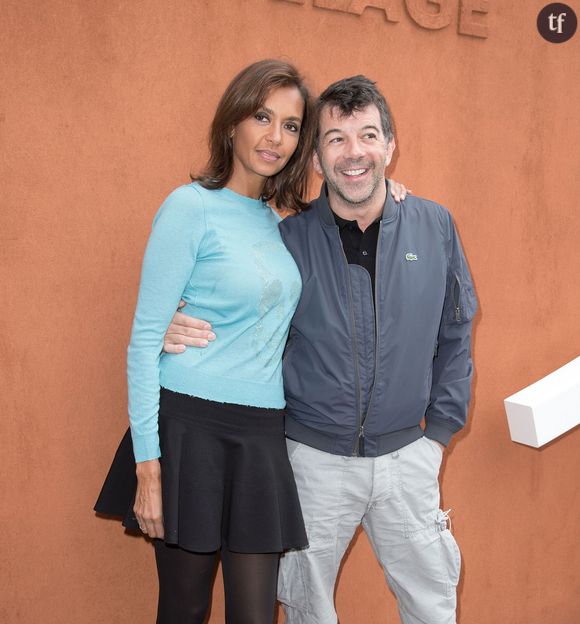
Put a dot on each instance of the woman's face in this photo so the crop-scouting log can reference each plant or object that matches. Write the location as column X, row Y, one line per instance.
column 265, row 142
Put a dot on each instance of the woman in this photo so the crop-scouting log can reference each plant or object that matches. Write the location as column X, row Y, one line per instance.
column 206, row 426
column 207, row 431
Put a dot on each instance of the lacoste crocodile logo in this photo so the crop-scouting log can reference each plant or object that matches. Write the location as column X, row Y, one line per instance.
column 410, row 257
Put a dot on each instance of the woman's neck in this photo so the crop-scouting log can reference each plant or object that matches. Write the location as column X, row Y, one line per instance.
column 245, row 185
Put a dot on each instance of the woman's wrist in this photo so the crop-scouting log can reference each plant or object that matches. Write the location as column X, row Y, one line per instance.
column 148, row 469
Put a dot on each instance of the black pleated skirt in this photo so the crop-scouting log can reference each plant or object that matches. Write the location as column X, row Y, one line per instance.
column 225, row 478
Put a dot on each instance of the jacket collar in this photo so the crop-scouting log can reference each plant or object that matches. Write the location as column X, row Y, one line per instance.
column 321, row 205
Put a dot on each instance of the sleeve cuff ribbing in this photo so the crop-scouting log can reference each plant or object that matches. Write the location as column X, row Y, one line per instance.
column 438, row 432
column 145, row 447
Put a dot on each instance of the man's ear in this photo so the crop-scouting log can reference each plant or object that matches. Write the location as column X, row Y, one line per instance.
column 390, row 151
column 316, row 163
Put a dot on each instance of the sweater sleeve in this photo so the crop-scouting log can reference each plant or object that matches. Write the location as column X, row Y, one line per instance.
column 170, row 256
column 452, row 365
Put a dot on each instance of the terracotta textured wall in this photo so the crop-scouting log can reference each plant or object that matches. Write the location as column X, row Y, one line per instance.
column 104, row 107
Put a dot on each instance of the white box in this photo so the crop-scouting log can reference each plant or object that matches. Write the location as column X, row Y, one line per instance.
column 546, row 409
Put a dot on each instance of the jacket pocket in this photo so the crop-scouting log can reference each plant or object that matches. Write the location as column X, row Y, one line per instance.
column 461, row 303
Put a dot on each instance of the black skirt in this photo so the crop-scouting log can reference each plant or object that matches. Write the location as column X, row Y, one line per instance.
column 225, row 478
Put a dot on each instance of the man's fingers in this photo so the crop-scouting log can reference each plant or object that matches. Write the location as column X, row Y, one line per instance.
column 171, row 348
column 193, row 338
column 182, row 320
column 192, row 332
column 195, row 342
column 186, row 331
column 172, row 343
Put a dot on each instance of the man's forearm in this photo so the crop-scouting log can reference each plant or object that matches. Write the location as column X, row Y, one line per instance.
column 451, row 383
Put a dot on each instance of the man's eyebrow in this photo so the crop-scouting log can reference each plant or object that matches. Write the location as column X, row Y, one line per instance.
column 331, row 131
column 271, row 112
column 368, row 127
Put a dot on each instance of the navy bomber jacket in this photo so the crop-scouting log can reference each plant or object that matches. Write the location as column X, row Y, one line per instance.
column 359, row 377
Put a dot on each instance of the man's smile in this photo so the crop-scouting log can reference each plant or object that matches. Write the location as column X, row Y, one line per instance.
column 354, row 172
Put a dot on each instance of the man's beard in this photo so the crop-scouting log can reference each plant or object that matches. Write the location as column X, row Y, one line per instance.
column 374, row 182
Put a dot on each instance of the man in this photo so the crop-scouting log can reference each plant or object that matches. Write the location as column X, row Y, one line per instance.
column 379, row 341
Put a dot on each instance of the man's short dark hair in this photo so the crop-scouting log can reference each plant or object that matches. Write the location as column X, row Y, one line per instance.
column 354, row 94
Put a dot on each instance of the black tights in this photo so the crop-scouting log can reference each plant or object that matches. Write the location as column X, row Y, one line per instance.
column 186, row 579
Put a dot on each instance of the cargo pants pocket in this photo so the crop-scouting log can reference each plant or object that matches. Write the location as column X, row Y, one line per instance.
column 451, row 557
column 291, row 586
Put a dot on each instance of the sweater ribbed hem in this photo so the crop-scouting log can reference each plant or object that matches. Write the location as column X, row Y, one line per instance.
column 223, row 390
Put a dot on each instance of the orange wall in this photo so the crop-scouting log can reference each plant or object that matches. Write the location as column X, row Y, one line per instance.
column 104, row 107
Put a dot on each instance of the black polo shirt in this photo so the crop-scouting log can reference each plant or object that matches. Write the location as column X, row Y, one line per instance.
column 360, row 247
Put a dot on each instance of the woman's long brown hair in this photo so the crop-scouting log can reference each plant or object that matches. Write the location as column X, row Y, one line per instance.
column 244, row 95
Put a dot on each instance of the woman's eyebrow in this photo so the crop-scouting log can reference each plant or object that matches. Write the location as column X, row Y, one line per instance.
column 271, row 112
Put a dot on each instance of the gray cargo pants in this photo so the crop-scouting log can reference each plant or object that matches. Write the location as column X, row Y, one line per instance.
column 396, row 498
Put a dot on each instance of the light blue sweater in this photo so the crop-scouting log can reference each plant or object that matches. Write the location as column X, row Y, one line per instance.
column 222, row 253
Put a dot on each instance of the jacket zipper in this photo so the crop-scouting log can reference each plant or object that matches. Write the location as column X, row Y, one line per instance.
column 361, row 431
column 355, row 450
column 456, row 298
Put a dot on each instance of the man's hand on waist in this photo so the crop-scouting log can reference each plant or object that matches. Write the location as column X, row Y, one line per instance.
column 185, row 331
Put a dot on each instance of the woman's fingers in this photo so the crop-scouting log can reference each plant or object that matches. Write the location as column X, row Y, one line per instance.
column 151, row 524
column 153, row 527
column 158, row 530
column 398, row 191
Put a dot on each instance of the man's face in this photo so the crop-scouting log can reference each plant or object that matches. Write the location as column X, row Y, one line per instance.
column 352, row 155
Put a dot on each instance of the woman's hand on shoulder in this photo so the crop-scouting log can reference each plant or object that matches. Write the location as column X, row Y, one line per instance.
column 148, row 507
column 398, row 191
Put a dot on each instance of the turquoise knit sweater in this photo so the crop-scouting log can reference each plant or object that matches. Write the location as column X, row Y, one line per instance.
column 221, row 252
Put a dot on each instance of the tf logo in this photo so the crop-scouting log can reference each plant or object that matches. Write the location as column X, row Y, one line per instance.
column 557, row 22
